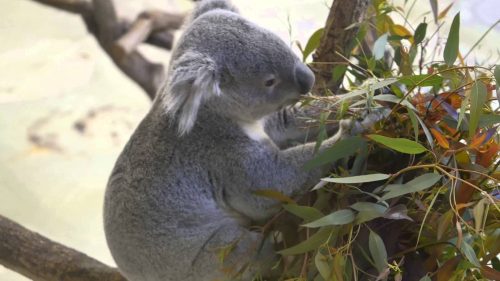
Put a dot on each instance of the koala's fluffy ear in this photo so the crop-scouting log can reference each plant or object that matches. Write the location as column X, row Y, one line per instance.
column 208, row 5
column 193, row 79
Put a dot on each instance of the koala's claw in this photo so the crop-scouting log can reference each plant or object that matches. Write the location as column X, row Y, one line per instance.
column 367, row 122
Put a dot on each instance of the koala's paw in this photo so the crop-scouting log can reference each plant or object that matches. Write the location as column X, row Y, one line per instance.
column 367, row 121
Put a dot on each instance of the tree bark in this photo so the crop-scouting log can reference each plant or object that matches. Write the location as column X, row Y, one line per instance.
column 334, row 45
column 41, row 259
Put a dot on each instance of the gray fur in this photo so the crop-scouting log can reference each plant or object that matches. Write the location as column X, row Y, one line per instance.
column 183, row 187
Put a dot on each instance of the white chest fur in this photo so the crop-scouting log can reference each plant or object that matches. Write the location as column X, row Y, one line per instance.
column 255, row 130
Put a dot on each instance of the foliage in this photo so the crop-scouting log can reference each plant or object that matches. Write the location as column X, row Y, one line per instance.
column 419, row 194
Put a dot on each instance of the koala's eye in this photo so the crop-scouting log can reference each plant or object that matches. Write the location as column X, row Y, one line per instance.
column 270, row 82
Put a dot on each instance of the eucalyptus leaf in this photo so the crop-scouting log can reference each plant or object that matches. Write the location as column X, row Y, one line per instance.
column 421, row 80
column 339, row 217
column 312, row 43
column 379, row 46
column 323, row 265
column 394, row 99
column 434, row 7
column 304, row 212
column 368, row 211
column 427, row 133
column 399, row 144
column 419, row 183
column 451, row 47
column 414, row 122
column 425, row 278
column 420, row 33
column 339, row 150
column 478, row 97
column 377, row 251
column 369, row 207
column 310, row 244
column 358, row 179
column 470, row 254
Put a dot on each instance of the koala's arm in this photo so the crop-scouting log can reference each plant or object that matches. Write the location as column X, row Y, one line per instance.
column 298, row 124
column 283, row 171
column 279, row 170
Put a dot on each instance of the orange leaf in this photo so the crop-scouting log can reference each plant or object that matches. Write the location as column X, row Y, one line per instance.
column 442, row 141
column 452, row 98
column 464, row 194
column 446, row 271
column 274, row 194
column 477, row 140
column 444, row 12
column 487, row 157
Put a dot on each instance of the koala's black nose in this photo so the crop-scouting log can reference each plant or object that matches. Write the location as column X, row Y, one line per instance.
column 304, row 78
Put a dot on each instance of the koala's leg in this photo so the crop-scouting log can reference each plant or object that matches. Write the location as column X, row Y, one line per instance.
column 238, row 253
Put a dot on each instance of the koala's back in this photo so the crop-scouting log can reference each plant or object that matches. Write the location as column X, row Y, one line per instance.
column 161, row 207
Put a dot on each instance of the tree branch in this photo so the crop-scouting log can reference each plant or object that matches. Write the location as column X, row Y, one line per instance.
column 81, row 7
column 41, row 259
column 153, row 27
column 343, row 13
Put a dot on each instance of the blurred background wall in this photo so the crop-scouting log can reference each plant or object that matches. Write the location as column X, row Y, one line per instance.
column 66, row 111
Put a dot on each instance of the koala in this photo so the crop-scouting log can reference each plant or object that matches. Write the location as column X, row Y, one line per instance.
column 183, row 190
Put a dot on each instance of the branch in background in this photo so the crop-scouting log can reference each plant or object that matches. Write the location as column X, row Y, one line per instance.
column 120, row 38
column 336, row 38
column 145, row 24
column 41, row 259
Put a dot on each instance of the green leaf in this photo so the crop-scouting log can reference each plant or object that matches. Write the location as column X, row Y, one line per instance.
column 470, row 254
column 421, row 80
column 496, row 73
column 414, row 122
column 339, row 150
column 379, row 46
column 306, row 213
column 434, row 7
column 368, row 207
column 420, row 33
column 377, row 251
column 488, row 120
column 338, row 72
column 425, row 278
column 399, row 144
column 310, row 244
column 366, row 88
column 358, row 179
column 417, row 184
column 427, row 133
column 323, row 265
column 339, row 217
column 313, row 43
column 477, row 100
column 451, row 47
column 394, row 99
column 368, row 211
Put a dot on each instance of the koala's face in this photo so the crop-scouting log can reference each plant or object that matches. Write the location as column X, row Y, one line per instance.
column 257, row 72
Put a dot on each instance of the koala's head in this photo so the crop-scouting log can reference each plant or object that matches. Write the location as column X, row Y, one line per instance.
column 235, row 67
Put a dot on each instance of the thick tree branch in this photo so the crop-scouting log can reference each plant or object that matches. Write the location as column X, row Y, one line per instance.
column 153, row 27
column 337, row 39
column 82, row 7
column 145, row 24
column 41, row 259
